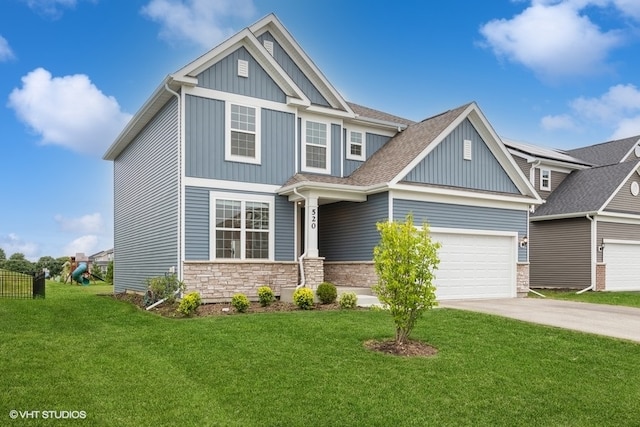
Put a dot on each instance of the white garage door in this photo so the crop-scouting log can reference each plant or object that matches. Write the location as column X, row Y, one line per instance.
column 622, row 266
column 475, row 266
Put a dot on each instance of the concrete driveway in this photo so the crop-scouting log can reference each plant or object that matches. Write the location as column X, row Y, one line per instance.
column 609, row 320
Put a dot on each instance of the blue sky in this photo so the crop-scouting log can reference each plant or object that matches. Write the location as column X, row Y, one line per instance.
column 558, row 73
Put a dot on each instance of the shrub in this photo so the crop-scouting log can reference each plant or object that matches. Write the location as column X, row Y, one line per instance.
column 190, row 303
column 265, row 295
column 327, row 293
column 303, row 297
column 162, row 287
column 240, row 302
column 348, row 300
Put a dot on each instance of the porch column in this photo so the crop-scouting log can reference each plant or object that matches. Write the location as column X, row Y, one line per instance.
column 311, row 224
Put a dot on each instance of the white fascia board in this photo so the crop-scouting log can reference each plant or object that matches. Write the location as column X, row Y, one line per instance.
column 217, row 184
column 619, row 218
column 317, row 109
column 617, row 190
column 389, row 128
column 626, row 156
column 337, row 192
column 240, row 99
column 563, row 216
column 621, row 242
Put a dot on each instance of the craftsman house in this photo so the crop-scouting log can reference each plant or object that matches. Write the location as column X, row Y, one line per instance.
column 247, row 168
column 587, row 233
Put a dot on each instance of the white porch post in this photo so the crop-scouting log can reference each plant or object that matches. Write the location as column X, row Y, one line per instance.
column 311, row 224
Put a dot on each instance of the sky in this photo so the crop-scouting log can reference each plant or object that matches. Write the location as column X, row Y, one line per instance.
column 557, row 73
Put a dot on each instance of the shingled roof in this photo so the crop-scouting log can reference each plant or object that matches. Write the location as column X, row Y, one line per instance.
column 370, row 113
column 606, row 153
column 586, row 191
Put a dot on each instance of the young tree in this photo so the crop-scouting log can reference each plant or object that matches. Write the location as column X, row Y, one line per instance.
column 405, row 261
column 3, row 257
column 108, row 277
column 18, row 263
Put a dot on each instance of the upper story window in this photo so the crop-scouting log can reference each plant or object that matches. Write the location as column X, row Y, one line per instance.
column 316, row 151
column 243, row 134
column 545, row 179
column 355, row 145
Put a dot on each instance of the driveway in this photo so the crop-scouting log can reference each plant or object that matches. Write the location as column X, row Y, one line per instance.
column 609, row 320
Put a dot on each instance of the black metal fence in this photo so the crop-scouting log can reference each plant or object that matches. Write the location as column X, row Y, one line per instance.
column 21, row 286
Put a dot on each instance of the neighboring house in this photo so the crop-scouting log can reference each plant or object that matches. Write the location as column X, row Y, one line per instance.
column 247, row 168
column 587, row 233
column 102, row 258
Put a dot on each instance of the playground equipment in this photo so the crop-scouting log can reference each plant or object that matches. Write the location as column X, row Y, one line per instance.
column 80, row 274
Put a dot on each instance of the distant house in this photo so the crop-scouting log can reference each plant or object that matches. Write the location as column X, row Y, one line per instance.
column 246, row 167
column 587, row 233
column 102, row 258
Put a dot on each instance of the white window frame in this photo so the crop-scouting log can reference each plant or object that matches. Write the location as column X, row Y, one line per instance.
column 243, row 199
column 228, row 156
column 363, row 155
column 304, row 143
column 542, row 179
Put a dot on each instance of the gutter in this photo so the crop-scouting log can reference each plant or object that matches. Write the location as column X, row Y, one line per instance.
column 592, row 286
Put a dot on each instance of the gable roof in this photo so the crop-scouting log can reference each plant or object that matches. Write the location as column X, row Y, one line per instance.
column 586, row 191
column 606, row 153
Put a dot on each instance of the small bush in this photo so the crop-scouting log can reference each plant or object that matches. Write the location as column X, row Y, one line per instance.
column 162, row 287
column 327, row 293
column 303, row 297
column 240, row 302
column 189, row 304
column 265, row 295
column 348, row 300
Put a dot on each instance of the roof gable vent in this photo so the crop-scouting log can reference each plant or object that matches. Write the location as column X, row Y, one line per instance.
column 268, row 44
column 467, row 149
column 243, row 68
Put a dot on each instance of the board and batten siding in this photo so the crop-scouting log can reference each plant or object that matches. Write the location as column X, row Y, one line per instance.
column 373, row 143
column 347, row 230
column 146, row 199
column 445, row 215
column 197, row 224
column 205, row 145
column 560, row 253
column 293, row 71
column 624, row 200
column 616, row 231
column 223, row 76
column 445, row 165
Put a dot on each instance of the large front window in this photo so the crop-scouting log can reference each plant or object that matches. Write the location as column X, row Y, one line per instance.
column 242, row 228
column 243, row 142
column 316, row 147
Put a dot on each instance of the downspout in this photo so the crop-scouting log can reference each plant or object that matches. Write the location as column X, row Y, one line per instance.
column 532, row 172
column 592, row 285
column 303, row 280
column 180, row 204
column 157, row 303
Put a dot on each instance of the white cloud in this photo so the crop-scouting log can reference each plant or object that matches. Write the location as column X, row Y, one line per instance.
column 69, row 111
column 92, row 223
column 629, row 7
column 5, row 50
column 86, row 244
column 559, row 122
column 553, row 38
column 627, row 127
column 204, row 22
column 51, row 8
column 12, row 243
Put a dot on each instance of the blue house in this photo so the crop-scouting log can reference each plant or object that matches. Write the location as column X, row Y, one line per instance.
column 247, row 168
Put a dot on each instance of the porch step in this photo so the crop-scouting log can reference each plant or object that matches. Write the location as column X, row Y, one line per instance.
column 369, row 301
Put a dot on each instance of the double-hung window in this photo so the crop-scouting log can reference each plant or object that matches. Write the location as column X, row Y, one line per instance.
column 243, row 133
column 545, row 179
column 355, row 145
column 316, row 152
column 242, row 227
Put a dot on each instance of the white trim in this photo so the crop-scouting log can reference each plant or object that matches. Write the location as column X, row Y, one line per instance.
column 257, row 133
column 238, row 99
column 243, row 198
column 303, row 145
column 230, row 185
column 617, row 190
column 475, row 232
column 457, row 197
column 363, row 144
column 632, row 150
column 619, row 218
column 621, row 242
column 542, row 186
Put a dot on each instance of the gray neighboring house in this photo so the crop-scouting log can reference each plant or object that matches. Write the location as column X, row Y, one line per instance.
column 587, row 233
column 247, row 168
column 102, row 258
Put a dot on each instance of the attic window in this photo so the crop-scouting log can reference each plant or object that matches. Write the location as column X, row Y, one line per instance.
column 243, row 68
column 467, row 149
column 268, row 44
column 545, row 179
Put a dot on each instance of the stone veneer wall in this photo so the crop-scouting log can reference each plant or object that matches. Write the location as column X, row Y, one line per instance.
column 355, row 274
column 219, row 281
column 522, row 279
column 601, row 278
column 313, row 272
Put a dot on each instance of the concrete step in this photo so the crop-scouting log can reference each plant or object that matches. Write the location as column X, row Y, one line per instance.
column 369, row 301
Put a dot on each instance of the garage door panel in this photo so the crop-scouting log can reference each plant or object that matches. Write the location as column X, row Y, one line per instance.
column 622, row 271
column 475, row 266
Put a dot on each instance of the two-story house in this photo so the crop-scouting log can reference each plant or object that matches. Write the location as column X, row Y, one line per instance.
column 246, row 167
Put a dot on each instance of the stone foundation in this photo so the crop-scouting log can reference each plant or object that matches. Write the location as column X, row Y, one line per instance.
column 522, row 279
column 360, row 274
column 313, row 272
column 601, row 278
column 219, row 281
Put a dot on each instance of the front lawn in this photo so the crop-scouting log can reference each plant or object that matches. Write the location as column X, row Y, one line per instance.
column 75, row 351
column 631, row 299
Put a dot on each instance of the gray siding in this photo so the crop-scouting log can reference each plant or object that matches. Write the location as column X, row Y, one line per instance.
column 196, row 219
column 197, row 230
column 618, row 231
column 336, row 152
column 223, row 76
column 146, row 203
column 560, row 253
column 465, row 217
column 624, row 201
column 445, row 164
column 205, row 145
column 556, row 180
column 373, row 143
column 295, row 72
column 347, row 230
column 522, row 164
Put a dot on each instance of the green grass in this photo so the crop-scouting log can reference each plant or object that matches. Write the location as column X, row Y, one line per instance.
column 631, row 299
column 75, row 351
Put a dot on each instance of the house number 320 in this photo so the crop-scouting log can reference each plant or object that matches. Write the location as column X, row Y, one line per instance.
column 314, row 219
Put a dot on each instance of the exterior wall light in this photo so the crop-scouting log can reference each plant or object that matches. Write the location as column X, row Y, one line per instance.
column 524, row 241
